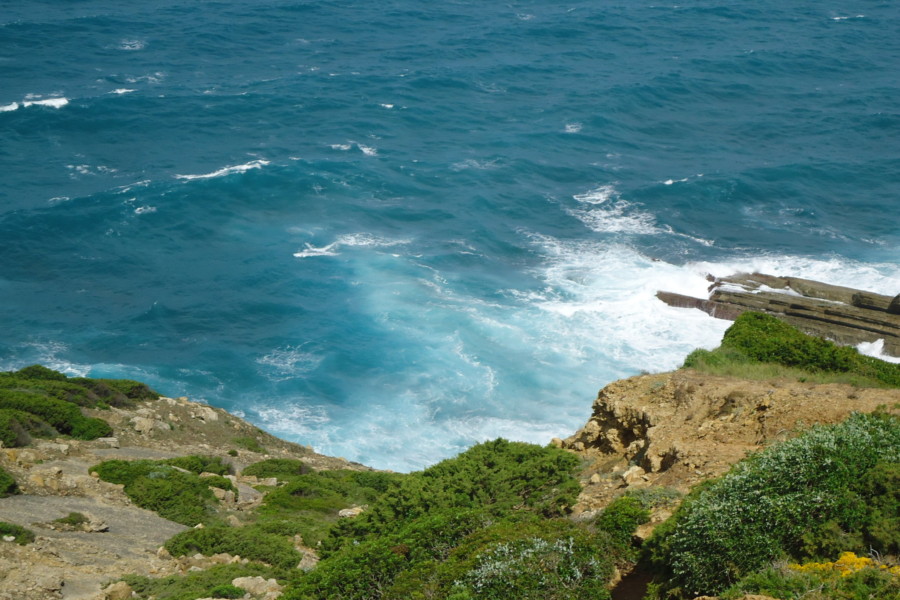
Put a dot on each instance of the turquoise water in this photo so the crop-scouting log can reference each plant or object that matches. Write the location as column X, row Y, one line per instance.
column 392, row 229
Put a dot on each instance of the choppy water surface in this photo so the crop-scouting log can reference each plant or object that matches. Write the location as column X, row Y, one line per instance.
column 392, row 229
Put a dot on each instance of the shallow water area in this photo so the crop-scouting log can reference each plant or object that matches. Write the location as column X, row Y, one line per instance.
column 391, row 230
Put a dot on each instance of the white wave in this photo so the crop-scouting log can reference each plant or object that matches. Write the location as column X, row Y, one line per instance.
column 367, row 150
column 156, row 77
column 471, row 163
column 343, row 147
column 46, row 353
column 9, row 107
column 609, row 291
column 51, row 102
column 876, row 349
column 845, row 18
column 288, row 362
column 673, row 181
column 387, row 106
column 609, row 213
column 122, row 91
column 254, row 164
column 132, row 44
column 142, row 210
column 573, row 127
column 348, row 239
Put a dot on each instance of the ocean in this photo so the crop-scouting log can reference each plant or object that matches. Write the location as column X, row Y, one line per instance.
column 392, row 229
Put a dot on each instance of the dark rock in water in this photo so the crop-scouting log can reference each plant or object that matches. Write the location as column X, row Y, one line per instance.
column 845, row 315
column 894, row 307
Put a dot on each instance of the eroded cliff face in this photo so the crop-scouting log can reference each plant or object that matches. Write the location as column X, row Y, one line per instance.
column 676, row 429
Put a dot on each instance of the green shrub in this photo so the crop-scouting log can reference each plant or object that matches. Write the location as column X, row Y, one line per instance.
column 227, row 591
column 90, row 428
column 500, row 475
column 201, row 464
column 282, row 468
column 17, row 427
column 763, row 345
column 22, row 535
column 248, row 542
column 73, row 519
column 789, row 583
column 774, row 503
column 621, row 518
column 41, row 372
column 197, row 584
column 63, row 416
column 181, row 497
column 8, row 485
column 423, row 536
column 249, row 443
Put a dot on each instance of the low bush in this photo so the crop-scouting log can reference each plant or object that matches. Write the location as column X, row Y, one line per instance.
column 73, row 518
column 22, row 536
column 758, row 345
column 823, row 492
column 282, row 468
column 63, row 416
column 197, row 584
column 248, row 542
column 498, row 475
column 620, row 520
column 849, row 578
column 201, row 464
column 181, row 497
column 17, row 427
column 8, row 485
column 249, row 443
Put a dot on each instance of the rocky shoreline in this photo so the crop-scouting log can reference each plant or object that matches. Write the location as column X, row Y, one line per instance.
column 847, row 316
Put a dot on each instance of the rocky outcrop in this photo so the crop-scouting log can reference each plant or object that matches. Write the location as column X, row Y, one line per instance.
column 73, row 562
column 676, row 429
column 845, row 315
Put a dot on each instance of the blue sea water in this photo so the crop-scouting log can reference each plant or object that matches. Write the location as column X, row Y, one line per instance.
column 391, row 229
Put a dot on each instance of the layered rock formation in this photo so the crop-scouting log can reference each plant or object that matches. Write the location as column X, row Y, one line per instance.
column 845, row 315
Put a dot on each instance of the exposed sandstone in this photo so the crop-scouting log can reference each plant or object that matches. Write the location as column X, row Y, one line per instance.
column 676, row 429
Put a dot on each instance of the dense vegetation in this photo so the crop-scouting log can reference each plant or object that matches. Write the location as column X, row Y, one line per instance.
column 39, row 402
column 489, row 523
column 760, row 344
column 165, row 486
column 831, row 490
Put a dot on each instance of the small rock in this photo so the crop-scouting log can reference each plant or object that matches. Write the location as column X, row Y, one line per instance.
column 117, row 591
column 351, row 512
column 633, row 474
column 256, row 585
column 595, row 478
column 9, row 538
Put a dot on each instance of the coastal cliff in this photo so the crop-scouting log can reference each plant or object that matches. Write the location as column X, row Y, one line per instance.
column 677, row 429
column 165, row 499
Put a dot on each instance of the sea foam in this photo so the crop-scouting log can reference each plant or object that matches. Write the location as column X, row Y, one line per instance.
column 254, row 164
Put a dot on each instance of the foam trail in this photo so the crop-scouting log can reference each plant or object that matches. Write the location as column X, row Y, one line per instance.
column 121, row 91
column 254, row 164
column 348, row 239
column 604, row 211
column 51, row 102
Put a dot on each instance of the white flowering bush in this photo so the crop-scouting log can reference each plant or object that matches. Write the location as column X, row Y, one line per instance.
column 782, row 502
column 536, row 568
